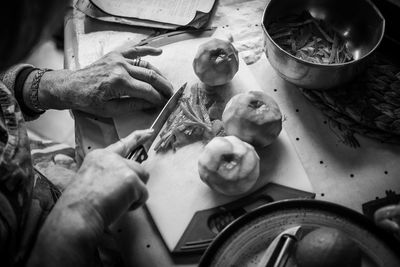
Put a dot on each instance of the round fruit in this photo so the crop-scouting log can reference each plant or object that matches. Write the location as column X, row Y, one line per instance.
column 229, row 165
column 327, row 247
column 254, row 117
column 216, row 62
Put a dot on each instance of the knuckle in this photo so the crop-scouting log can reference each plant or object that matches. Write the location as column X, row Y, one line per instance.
column 117, row 54
column 132, row 105
column 146, row 64
column 103, row 157
column 94, row 154
column 113, row 53
column 122, row 175
column 148, row 88
column 117, row 70
column 113, row 56
column 120, row 64
column 141, row 173
column 169, row 86
column 94, row 157
column 139, row 168
column 117, row 77
column 133, row 49
column 144, row 196
column 108, row 112
column 132, row 179
column 151, row 76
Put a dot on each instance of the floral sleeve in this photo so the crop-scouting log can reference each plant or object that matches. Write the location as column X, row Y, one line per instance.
column 25, row 197
column 9, row 79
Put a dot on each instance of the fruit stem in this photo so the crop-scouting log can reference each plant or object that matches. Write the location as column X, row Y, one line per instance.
column 256, row 104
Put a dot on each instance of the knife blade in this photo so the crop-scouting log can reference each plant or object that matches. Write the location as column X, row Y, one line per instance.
column 139, row 154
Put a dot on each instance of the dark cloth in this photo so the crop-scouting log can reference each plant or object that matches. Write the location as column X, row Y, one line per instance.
column 25, row 196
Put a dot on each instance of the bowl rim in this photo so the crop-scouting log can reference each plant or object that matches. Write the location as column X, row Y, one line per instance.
column 383, row 27
column 287, row 204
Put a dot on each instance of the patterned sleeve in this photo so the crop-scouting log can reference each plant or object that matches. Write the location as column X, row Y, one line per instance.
column 26, row 196
column 9, row 78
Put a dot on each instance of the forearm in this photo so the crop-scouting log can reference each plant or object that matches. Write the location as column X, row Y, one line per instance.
column 69, row 237
column 50, row 86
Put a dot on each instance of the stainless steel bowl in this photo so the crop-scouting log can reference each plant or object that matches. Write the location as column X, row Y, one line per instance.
column 359, row 22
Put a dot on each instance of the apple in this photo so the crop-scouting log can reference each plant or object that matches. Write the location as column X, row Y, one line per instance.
column 216, row 62
column 229, row 165
column 254, row 117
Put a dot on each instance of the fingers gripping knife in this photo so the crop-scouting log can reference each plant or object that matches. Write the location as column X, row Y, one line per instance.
column 139, row 154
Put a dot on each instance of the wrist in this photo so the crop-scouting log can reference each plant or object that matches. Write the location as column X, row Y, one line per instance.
column 27, row 88
column 20, row 95
column 79, row 221
column 31, row 89
column 50, row 86
column 69, row 237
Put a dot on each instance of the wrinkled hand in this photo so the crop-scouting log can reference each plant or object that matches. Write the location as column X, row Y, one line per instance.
column 110, row 182
column 106, row 186
column 112, row 85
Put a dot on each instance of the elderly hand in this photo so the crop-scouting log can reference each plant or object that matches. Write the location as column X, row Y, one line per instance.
column 108, row 182
column 106, row 186
column 115, row 84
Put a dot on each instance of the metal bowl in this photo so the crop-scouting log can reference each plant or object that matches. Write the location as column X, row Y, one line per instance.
column 359, row 22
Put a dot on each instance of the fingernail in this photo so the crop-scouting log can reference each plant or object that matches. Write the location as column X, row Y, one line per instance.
column 150, row 130
column 147, row 133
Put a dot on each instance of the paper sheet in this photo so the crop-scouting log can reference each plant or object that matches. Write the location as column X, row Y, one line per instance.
column 92, row 11
column 87, row 7
column 179, row 12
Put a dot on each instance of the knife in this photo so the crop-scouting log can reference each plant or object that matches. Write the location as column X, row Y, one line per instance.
column 139, row 154
column 281, row 247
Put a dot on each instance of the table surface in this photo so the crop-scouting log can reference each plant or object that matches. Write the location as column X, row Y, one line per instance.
column 338, row 173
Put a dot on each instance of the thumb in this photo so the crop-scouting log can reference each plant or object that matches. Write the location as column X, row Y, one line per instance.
column 127, row 144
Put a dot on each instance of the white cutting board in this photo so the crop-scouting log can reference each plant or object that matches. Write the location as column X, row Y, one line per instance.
column 176, row 191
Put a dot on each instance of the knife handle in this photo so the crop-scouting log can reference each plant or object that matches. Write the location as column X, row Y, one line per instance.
column 281, row 253
column 139, row 154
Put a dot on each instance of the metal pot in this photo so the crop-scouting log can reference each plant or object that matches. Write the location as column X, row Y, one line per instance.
column 359, row 22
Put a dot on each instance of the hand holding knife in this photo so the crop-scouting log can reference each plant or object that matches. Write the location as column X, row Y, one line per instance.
column 139, row 154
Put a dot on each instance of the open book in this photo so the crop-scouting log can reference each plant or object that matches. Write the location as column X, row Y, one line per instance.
column 166, row 14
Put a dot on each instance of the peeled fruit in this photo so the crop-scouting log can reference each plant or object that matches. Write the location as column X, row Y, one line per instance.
column 254, row 117
column 229, row 165
column 327, row 247
column 216, row 62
